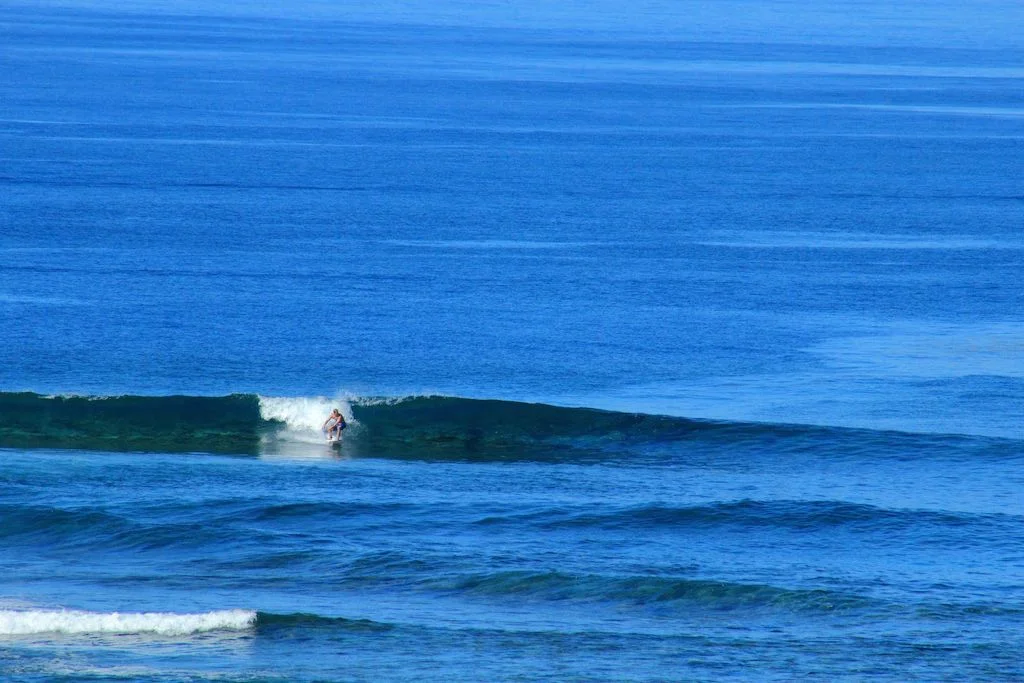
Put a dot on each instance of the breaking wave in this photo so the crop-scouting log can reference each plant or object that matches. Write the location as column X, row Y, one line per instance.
column 430, row 427
column 28, row 622
column 35, row 621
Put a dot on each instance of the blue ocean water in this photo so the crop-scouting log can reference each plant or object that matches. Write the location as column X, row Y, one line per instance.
column 678, row 341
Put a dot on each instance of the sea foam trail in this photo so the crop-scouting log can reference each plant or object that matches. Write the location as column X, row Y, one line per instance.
column 28, row 622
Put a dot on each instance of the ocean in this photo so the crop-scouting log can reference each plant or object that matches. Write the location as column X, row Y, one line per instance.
column 677, row 341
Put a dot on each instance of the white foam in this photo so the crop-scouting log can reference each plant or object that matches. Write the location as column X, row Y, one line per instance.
column 394, row 400
column 28, row 622
column 304, row 417
column 86, row 397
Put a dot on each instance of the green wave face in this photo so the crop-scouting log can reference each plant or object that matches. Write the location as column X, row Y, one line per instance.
column 421, row 427
column 426, row 427
column 228, row 424
column 436, row 426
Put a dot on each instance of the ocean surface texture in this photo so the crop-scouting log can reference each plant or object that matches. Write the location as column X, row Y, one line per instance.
column 678, row 341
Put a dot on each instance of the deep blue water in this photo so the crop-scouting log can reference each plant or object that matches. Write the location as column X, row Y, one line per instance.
column 726, row 300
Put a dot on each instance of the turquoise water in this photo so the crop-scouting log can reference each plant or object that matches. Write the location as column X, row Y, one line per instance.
column 677, row 343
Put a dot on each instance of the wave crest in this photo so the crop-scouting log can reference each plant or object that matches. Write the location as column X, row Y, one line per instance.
column 30, row 622
column 647, row 590
column 427, row 427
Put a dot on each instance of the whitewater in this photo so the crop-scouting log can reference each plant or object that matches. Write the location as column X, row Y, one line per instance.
column 29, row 622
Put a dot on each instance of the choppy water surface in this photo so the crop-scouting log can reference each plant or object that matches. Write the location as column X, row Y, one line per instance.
column 685, row 550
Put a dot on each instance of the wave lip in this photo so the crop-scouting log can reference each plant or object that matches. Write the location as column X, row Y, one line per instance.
column 74, row 622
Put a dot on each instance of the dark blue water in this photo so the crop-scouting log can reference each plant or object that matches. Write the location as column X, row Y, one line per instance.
column 728, row 295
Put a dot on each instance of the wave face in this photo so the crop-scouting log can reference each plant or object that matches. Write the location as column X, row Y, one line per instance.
column 247, row 423
column 645, row 590
column 131, row 423
column 239, row 423
column 429, row 427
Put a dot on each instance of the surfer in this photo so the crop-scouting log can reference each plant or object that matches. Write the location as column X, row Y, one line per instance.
column 334, row 424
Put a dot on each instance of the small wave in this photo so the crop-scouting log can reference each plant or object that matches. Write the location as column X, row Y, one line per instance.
column 34, row 621
column 81, row 529
column 645, row 591
column 799, row 515
column 960, row 612
column 268, row 622
column 306, row 512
